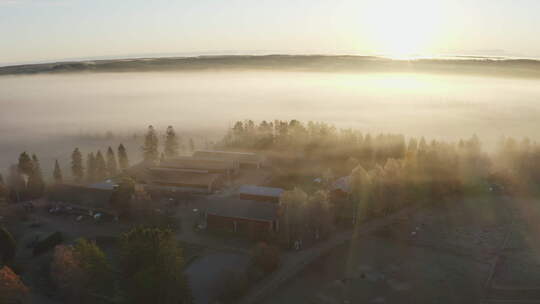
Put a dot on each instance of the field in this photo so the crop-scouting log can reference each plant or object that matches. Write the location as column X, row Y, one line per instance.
column 454, row 253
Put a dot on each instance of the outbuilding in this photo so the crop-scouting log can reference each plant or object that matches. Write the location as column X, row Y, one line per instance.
column 251, row 218
column 259, row 193
column 244, row 159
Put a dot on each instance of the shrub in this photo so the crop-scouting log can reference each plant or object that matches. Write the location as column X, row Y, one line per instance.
column 48, row 243
column 12, row 289
column 7, row 247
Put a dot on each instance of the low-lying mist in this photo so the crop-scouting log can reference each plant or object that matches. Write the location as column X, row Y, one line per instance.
column 50, row 114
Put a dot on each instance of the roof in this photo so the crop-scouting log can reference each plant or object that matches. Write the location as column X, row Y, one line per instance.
column 160, row 175
column 81, row 195
column 243, row 209
column 229, row 155
column 187, row 162
column 260, row 191
column 343, row 184
column 105, row 185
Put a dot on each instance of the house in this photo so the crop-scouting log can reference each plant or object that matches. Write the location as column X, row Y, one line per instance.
column 79, row 195
column 228, row 168
column 244, row 159
column 341, row 187
column 251, row 218
column 258, row 193
column 182, row 180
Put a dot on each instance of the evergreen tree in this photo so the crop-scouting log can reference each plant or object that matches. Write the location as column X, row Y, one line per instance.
column 57, row 173
column 77, row 169
column 112, row 167
column 36, row 185
column 25, row 165
column 101, row 166
column 150, row 148
column 16, row 184
column 123, row 157
column 171, row 143
column 91, row 168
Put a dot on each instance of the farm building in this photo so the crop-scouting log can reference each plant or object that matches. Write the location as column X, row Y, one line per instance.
column 244, row 159
column 183, row 180
column 226, row 167
column 247, row 217
column 258, row 193
column 341, row 187
column 81, row 195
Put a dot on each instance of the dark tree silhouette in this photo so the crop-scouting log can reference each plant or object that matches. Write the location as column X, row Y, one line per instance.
column 112, row 167
column 90, row 167
column 171, row 143
column 57, row 173
column 36, row 184
column 77, row 169
column 123, row 160
column 150, row 147
column 152, row 266
column 101, row 166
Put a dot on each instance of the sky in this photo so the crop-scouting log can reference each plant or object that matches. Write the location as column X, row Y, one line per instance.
column 46, row 30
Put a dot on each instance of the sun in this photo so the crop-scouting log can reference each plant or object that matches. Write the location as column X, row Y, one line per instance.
column 401, row 29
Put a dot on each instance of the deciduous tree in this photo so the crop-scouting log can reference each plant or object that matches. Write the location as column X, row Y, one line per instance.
column 152, row 266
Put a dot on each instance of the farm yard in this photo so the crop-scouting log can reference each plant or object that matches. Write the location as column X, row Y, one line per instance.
column 463, row 253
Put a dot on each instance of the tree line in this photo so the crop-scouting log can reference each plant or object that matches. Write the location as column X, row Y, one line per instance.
column 171, row 145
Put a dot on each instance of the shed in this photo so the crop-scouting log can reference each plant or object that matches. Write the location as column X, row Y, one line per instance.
column 241, row 216
column 178, row 179
column 225, row 167
column 259, row 193
column 81, row 195
column 242, row 158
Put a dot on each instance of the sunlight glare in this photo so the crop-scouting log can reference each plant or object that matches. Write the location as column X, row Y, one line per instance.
column 401, row 29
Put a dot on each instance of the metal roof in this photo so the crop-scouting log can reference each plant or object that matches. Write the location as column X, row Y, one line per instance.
column 260, row 191
column 201, row 163
column 182, row 177
column 242, row 209
column 229, row 155
column 343, row 184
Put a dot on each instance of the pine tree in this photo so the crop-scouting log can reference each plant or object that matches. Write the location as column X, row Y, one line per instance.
column 16, row 184
column 150, row 148
column 36, row 185
column 171, row 143
column 77, row 169
column 123, row 157
column 25, row 164
column 112, row 167
column 57, row 173
column 90, row 168
column 101, row 166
